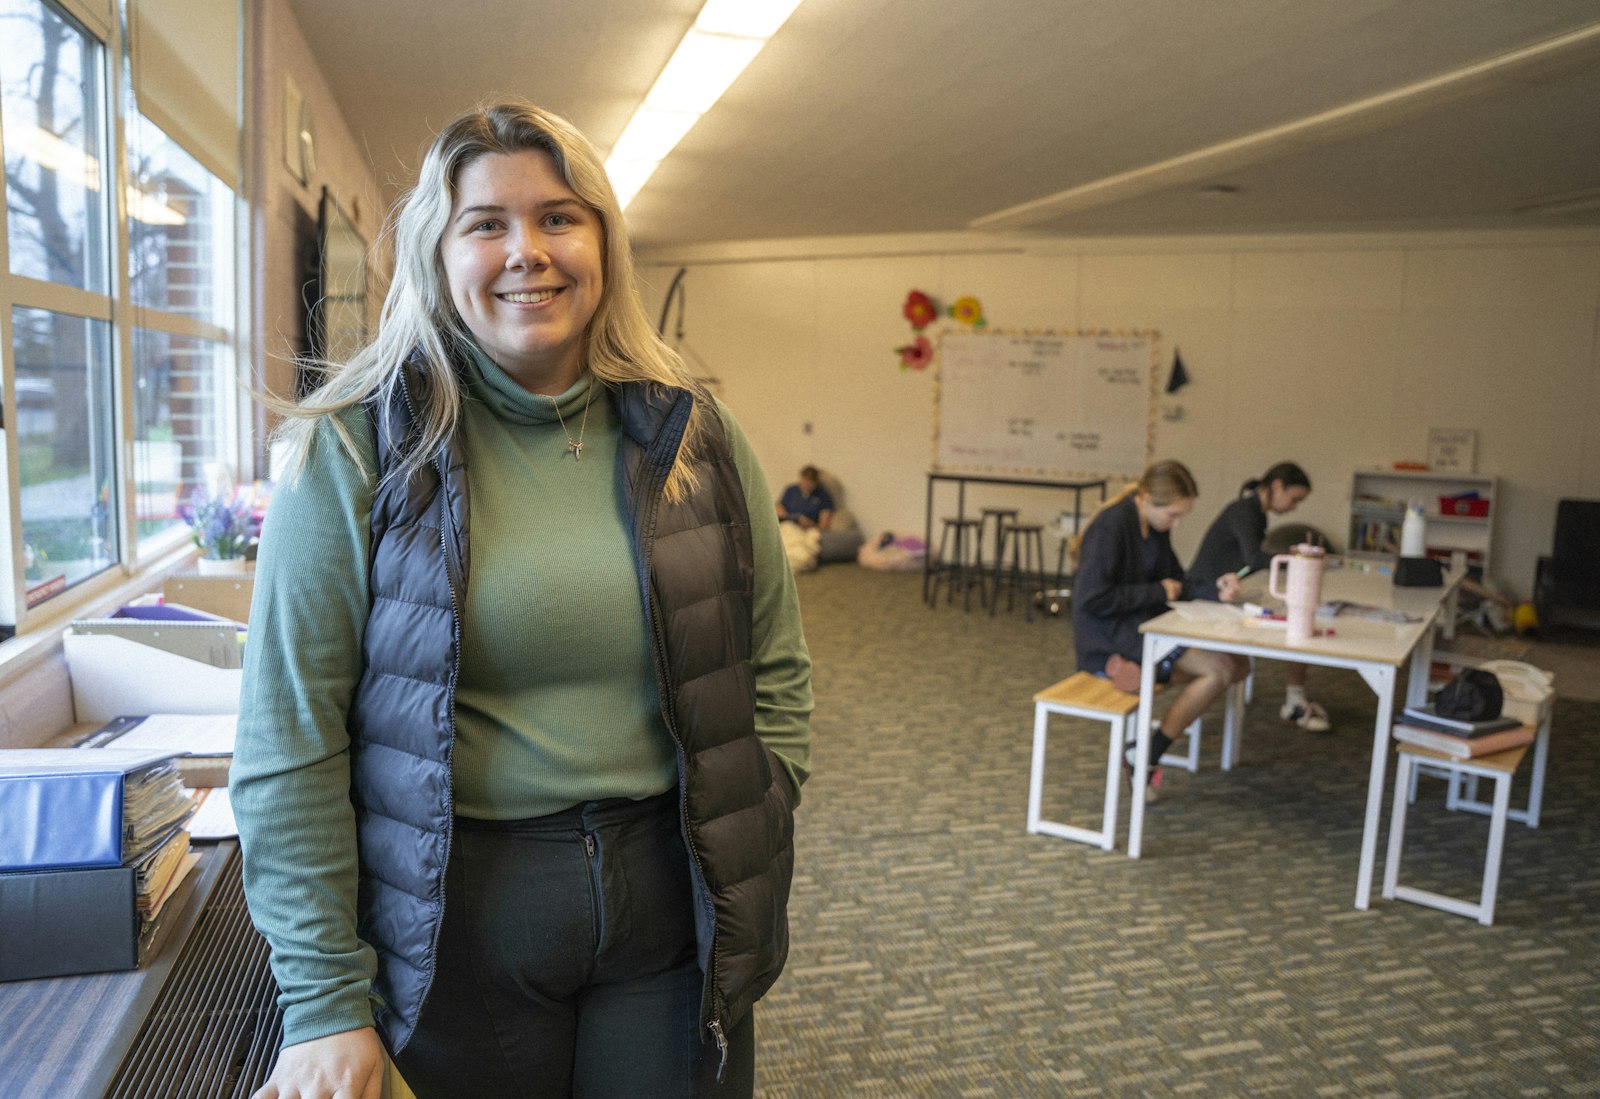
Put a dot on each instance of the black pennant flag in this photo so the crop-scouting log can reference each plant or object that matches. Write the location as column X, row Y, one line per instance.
column 1179, row 376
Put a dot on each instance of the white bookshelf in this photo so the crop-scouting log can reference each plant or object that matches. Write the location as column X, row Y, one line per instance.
column 1378, row 500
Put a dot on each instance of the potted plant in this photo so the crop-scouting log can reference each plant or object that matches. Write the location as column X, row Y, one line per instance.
column 222, row 523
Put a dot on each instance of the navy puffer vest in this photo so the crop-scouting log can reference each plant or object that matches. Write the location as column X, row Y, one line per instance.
column 695, row 568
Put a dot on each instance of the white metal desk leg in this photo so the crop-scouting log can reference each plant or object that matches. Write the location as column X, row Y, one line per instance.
column 1421, row 661
column 1404, row 775
column 1541, row 753
column 1381, row 680
column 1141, row 767
column 1233, row 721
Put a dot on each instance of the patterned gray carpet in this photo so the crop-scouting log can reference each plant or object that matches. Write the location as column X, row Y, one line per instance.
column 939, row 950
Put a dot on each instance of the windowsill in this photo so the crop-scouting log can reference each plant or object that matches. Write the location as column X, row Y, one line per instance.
column 43, row 636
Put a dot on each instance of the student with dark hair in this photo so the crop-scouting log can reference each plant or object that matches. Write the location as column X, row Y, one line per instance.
column 1126, row 575
column 807, row 502
column 1232, row 547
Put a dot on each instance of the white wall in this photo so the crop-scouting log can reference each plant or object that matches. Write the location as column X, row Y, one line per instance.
column 280, row 204
column 1336, row 351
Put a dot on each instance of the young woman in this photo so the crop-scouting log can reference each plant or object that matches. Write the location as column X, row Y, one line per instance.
column 1126, row 575
column 1232, row 545
column 526, row 704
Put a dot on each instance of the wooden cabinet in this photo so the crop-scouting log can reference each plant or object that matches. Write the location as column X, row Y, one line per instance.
column 1460, row 509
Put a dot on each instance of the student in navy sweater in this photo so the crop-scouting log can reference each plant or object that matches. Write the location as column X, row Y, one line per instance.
column 1232, row 546
column 1127, row 573
column 807, row 502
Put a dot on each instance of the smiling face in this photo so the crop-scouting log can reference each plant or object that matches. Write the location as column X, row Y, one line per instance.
column 524, row 259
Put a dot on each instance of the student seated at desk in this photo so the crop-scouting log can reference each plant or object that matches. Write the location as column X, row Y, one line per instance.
column 1232, row 548
column 1126, row 575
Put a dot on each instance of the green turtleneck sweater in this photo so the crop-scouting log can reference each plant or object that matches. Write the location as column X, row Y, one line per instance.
column 556, row 702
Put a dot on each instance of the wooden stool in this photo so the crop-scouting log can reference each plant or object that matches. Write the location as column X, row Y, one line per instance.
column 1500, row 766
column 1027, row 564
column 960, row 561
column 1094, row 698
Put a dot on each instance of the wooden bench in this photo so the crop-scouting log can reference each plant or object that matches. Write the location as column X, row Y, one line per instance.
column 1094, row 698
column 1501, row 767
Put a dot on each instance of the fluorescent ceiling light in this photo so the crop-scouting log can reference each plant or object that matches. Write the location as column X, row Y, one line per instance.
column 746, row 18
column 628, row 176
column 700, row 70
column 725, row 38
column 651, row 134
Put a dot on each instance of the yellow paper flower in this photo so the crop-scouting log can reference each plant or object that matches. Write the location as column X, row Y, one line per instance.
column 967, row 311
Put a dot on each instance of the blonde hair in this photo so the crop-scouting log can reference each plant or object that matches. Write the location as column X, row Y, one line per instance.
column 419, row 320
column 1165, row 482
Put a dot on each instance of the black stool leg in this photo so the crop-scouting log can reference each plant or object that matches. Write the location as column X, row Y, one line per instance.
column 1001, row 537
column 940, row 566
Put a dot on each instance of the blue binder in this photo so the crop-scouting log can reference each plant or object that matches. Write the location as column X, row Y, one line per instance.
column 63, row 808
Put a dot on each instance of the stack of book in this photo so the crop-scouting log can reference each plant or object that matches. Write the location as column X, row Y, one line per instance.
column 93, row 855
column 1422, row 726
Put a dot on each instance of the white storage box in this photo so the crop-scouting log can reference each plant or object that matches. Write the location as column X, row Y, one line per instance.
column 112, row 676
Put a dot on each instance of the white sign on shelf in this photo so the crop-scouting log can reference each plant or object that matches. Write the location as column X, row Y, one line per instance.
column 1453, row 449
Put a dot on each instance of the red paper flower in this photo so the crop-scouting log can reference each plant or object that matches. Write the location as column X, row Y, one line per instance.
column 916, row 355
column 920, row 310
column 968, row 311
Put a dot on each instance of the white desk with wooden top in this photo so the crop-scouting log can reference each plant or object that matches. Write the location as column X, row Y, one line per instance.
column 1375, row 649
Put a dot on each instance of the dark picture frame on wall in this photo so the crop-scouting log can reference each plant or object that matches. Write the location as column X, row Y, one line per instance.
column 336, row 317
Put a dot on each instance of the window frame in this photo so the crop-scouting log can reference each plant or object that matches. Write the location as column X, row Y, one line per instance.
column 169, row 549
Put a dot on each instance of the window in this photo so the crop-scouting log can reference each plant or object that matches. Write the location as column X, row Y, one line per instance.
column 119, row 366
column 56, row 214
column 180, row 271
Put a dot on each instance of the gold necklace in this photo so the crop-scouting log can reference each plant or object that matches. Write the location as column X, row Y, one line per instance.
column 574, row 445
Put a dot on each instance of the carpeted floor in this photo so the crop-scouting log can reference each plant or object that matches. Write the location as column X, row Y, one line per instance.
column 939, row 950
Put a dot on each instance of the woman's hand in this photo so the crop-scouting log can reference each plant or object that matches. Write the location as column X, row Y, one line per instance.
column 1228, row 587
column 348, row 1065
column 1173, row 588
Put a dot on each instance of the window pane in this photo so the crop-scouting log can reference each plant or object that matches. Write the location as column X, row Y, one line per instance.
column 49, row 93
column 180, row 225
column 64, row 448
column 178, row 426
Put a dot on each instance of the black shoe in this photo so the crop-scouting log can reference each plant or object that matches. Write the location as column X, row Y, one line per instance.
column 1153, row 779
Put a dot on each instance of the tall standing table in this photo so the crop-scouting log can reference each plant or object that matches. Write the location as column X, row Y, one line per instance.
column 1375, row 649
column 1077, row 488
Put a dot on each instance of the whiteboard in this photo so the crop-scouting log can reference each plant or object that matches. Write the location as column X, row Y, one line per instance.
column 1045, row 403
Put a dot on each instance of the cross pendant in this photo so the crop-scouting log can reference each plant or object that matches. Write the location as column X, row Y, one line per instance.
column 577, row 450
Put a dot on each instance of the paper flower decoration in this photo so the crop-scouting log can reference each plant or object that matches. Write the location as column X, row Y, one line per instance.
column 968, row 311
column 916, row 355
column 920, row 310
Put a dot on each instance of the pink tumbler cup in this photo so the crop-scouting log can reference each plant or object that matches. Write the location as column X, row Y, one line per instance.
column 1303, row 592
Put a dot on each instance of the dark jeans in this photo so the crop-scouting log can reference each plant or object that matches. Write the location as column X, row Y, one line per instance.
column 567, row 965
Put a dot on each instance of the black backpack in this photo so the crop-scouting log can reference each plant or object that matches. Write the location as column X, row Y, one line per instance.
column 1472, row 695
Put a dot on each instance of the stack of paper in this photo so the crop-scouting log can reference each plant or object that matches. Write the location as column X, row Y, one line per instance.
column 204, row 742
